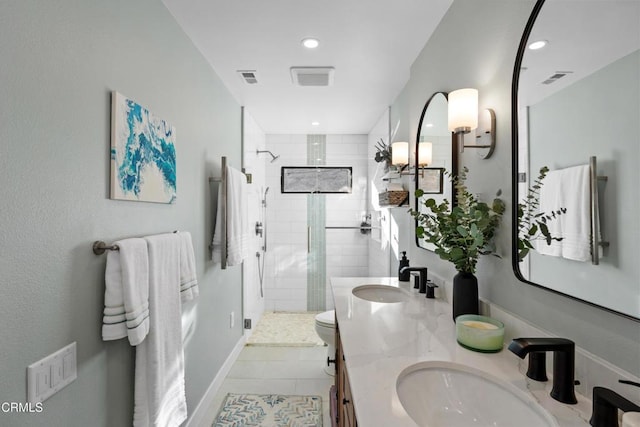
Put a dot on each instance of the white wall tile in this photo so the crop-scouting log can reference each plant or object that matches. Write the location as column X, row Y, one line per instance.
column 287, row 217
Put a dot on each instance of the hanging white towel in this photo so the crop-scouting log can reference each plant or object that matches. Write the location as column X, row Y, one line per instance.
column 238, row 219
column 159, row 378
column 126, row 296
column 570, row 189
column 238, row 237
column 188, row 279
column 216, row 243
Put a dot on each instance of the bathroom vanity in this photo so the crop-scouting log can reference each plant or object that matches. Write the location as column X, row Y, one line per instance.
column 380, row 343
column 346, row 413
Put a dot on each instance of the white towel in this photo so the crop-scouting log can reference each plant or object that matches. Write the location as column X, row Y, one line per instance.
column 126, row 296
column 216, row 243
column 238, row 218
column 568, row 188
column 238, row 237
column 159, row 378
column 188, row 279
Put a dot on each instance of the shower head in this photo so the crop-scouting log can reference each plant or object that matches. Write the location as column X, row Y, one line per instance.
column 273, row 156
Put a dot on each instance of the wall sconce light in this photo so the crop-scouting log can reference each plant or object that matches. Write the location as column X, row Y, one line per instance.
column 400, row 154
column 425, row 156
column 463, row 118
column 463, row 110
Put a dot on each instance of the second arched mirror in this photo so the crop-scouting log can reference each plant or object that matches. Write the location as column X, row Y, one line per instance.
column 575, row 111
column 434, row 154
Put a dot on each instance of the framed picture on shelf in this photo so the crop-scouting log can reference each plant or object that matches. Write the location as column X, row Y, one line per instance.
column 431, row 180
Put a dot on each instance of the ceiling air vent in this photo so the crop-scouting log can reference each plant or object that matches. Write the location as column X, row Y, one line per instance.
column 555, row 77
column 312, row 76
column 249, row 76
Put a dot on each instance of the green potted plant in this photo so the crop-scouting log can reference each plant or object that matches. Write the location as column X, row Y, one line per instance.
column 460, row 235
column 383, row 154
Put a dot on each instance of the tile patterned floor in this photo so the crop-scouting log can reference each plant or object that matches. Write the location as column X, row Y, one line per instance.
column 287, row 329
column 281, row 370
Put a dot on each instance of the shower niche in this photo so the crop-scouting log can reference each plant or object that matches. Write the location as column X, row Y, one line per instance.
column 315, row 179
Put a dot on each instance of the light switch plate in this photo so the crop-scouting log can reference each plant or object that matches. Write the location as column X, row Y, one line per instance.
column 50, row 374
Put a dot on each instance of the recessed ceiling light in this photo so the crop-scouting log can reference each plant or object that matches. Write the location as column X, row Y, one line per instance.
column 310, row 43
column 429, row 125
column 315, row 123
column 538, row 44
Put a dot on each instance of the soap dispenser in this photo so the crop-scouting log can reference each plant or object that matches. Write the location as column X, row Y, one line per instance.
column 404, row 276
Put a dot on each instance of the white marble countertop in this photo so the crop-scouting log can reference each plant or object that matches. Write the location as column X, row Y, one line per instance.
column 380, row 340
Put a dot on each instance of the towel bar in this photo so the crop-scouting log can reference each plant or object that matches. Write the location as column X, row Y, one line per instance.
column 99, row 247
column 596, row 243
column 222, row 204
column 352, row 228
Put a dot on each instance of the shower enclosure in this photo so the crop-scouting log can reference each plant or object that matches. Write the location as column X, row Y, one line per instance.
column 303, row 254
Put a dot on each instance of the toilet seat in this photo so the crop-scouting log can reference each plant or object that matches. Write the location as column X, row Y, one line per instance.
column 326, row 319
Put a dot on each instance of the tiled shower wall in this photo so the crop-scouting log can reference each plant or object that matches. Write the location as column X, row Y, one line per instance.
column 345, row 252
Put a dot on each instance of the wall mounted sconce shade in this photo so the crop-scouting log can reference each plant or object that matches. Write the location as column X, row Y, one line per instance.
column 485, row 134
column 400, row 153
column 463, row 118
column 425, row 154
column 463, row 110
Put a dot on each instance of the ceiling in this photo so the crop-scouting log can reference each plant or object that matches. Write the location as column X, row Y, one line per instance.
column 582, row 37
column 370, row 43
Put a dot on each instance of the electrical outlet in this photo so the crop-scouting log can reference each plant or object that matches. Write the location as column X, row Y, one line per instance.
column 247, row 323
column 232, row 319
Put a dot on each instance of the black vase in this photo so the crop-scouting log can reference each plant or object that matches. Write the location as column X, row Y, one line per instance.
column 465, row 294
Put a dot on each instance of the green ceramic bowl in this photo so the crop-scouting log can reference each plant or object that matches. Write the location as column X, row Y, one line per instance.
column 479, row 333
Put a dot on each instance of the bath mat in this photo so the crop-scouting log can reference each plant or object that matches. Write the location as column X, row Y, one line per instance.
column 270, row 410
column 290, row 329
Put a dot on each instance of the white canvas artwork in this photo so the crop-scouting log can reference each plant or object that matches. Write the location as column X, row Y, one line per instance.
column 143, row 156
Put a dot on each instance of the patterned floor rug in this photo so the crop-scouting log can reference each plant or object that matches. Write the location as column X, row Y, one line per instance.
column 286, row 329
column 270, row 410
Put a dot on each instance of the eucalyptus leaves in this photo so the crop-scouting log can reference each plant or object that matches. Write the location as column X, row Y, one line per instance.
column 532, row 225
column 383, row 152
column 463, row 233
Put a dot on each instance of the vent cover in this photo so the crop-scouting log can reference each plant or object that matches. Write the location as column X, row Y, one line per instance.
column 312, row 76
column 555, row 77
column 249, row 76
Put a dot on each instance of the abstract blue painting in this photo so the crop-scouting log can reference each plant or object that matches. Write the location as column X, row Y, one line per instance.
column 143, row 154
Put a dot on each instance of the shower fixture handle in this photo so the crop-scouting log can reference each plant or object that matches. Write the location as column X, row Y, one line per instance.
column 259, row 229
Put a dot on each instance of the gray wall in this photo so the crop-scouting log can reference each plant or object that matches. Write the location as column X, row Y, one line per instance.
column 59, row 62
column 596, row 116
column 475, row 46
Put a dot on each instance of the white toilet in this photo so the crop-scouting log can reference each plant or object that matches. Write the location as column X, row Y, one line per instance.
column 326, row 329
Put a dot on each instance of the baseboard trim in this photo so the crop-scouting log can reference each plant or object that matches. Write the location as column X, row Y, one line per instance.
column 197, row 417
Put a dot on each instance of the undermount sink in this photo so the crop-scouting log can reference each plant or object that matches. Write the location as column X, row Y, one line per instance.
column 454, row 395
column 380, row 293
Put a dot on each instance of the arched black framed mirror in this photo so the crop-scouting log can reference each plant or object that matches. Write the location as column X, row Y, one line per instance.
column 434, row 138
column 576, row 98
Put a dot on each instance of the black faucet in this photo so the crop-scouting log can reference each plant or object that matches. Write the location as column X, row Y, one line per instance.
column 563, row 363
column 605, row 407
column 422, row 283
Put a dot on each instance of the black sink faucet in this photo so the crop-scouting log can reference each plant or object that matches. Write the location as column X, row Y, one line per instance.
column 563, row 363
column 605, row 407
column 424, row 285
